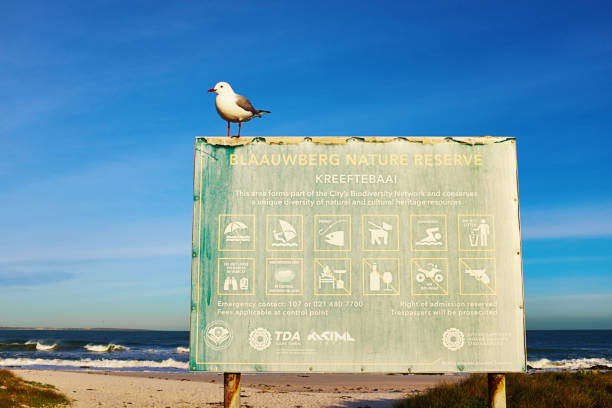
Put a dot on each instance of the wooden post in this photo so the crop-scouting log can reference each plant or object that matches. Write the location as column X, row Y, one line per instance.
column 497, row 390
column 231, row 390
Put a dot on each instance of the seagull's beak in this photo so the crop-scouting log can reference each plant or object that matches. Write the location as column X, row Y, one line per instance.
column 212, row 90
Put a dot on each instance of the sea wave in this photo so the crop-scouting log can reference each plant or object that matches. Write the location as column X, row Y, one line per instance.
column 182, row 349
column 570, row 364
column 105, row 348
column 40, row 346
column 11, row 346
column 93, row 363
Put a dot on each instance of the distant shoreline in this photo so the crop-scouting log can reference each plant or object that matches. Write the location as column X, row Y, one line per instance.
column 81, row 328
column 186, row 330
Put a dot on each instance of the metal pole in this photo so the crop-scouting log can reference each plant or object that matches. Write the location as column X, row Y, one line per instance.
column 231, row 390
column 497, row 390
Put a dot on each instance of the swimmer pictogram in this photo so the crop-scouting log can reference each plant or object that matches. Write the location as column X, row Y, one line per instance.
column 428, row 232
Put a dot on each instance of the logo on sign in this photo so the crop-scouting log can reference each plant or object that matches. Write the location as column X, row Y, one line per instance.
column 218, row 335
column 287, row 338
column 453, row 339
column 260, row 339
column 331, row 336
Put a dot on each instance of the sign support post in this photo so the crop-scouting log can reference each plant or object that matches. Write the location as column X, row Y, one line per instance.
column 231, row 390
column 497, row 390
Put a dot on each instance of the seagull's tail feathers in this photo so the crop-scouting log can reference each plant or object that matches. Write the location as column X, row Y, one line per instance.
column 259, row 112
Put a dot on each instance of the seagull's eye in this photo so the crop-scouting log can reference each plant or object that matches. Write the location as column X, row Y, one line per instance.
column 221, row 86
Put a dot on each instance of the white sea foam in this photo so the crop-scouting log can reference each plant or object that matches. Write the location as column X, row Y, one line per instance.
column 88, row 362
column 45, row 347
column 40, row 346
column 105, row 348
column 182, row 349
column 571, row 364
column 154, row 351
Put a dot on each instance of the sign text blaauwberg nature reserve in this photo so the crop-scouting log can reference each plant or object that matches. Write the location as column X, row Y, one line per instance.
column 356, row 255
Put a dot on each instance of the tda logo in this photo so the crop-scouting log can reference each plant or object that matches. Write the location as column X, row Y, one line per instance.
column 287, row 336
column 331, row 336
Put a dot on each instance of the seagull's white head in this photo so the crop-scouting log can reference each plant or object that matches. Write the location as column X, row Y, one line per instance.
column 221, row 88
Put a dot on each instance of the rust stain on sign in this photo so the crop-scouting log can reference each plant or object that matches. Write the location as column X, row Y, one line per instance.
column 472, row 140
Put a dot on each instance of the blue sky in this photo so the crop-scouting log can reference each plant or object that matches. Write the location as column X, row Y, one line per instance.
column 101, row 102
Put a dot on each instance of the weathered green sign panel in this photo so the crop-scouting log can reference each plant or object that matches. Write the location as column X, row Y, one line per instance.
column 356, row 255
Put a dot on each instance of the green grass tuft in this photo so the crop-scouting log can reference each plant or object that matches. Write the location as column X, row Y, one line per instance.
column 15, row 392
column 542, row 390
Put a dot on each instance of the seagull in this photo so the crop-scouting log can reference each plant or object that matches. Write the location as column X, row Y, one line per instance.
column 233, row 107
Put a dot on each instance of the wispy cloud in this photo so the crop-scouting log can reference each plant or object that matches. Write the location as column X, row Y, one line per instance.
column 18, row 278
column 580, row 221
column 81, row 253
column 591, row 297
column 566, row 259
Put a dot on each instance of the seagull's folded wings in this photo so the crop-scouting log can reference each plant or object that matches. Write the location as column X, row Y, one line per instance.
column 245, row 104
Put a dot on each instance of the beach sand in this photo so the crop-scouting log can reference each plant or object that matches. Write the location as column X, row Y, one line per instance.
column 148, row 389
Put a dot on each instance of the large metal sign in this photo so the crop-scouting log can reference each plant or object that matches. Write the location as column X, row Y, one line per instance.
column 356, row 255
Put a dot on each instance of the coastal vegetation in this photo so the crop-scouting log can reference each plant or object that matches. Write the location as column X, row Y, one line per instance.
column 16, row 392
column 584, row 389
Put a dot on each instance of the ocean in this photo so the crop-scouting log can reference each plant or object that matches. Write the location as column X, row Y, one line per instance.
column 168, row 351
column 121, row 350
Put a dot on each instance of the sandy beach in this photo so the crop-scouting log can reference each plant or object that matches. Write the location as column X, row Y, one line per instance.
column 148, row 389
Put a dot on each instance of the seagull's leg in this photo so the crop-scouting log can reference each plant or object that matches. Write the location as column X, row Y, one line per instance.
column 239, row 126
column 228, row 128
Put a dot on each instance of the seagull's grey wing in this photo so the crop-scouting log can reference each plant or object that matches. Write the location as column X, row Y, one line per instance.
column 245, row 104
